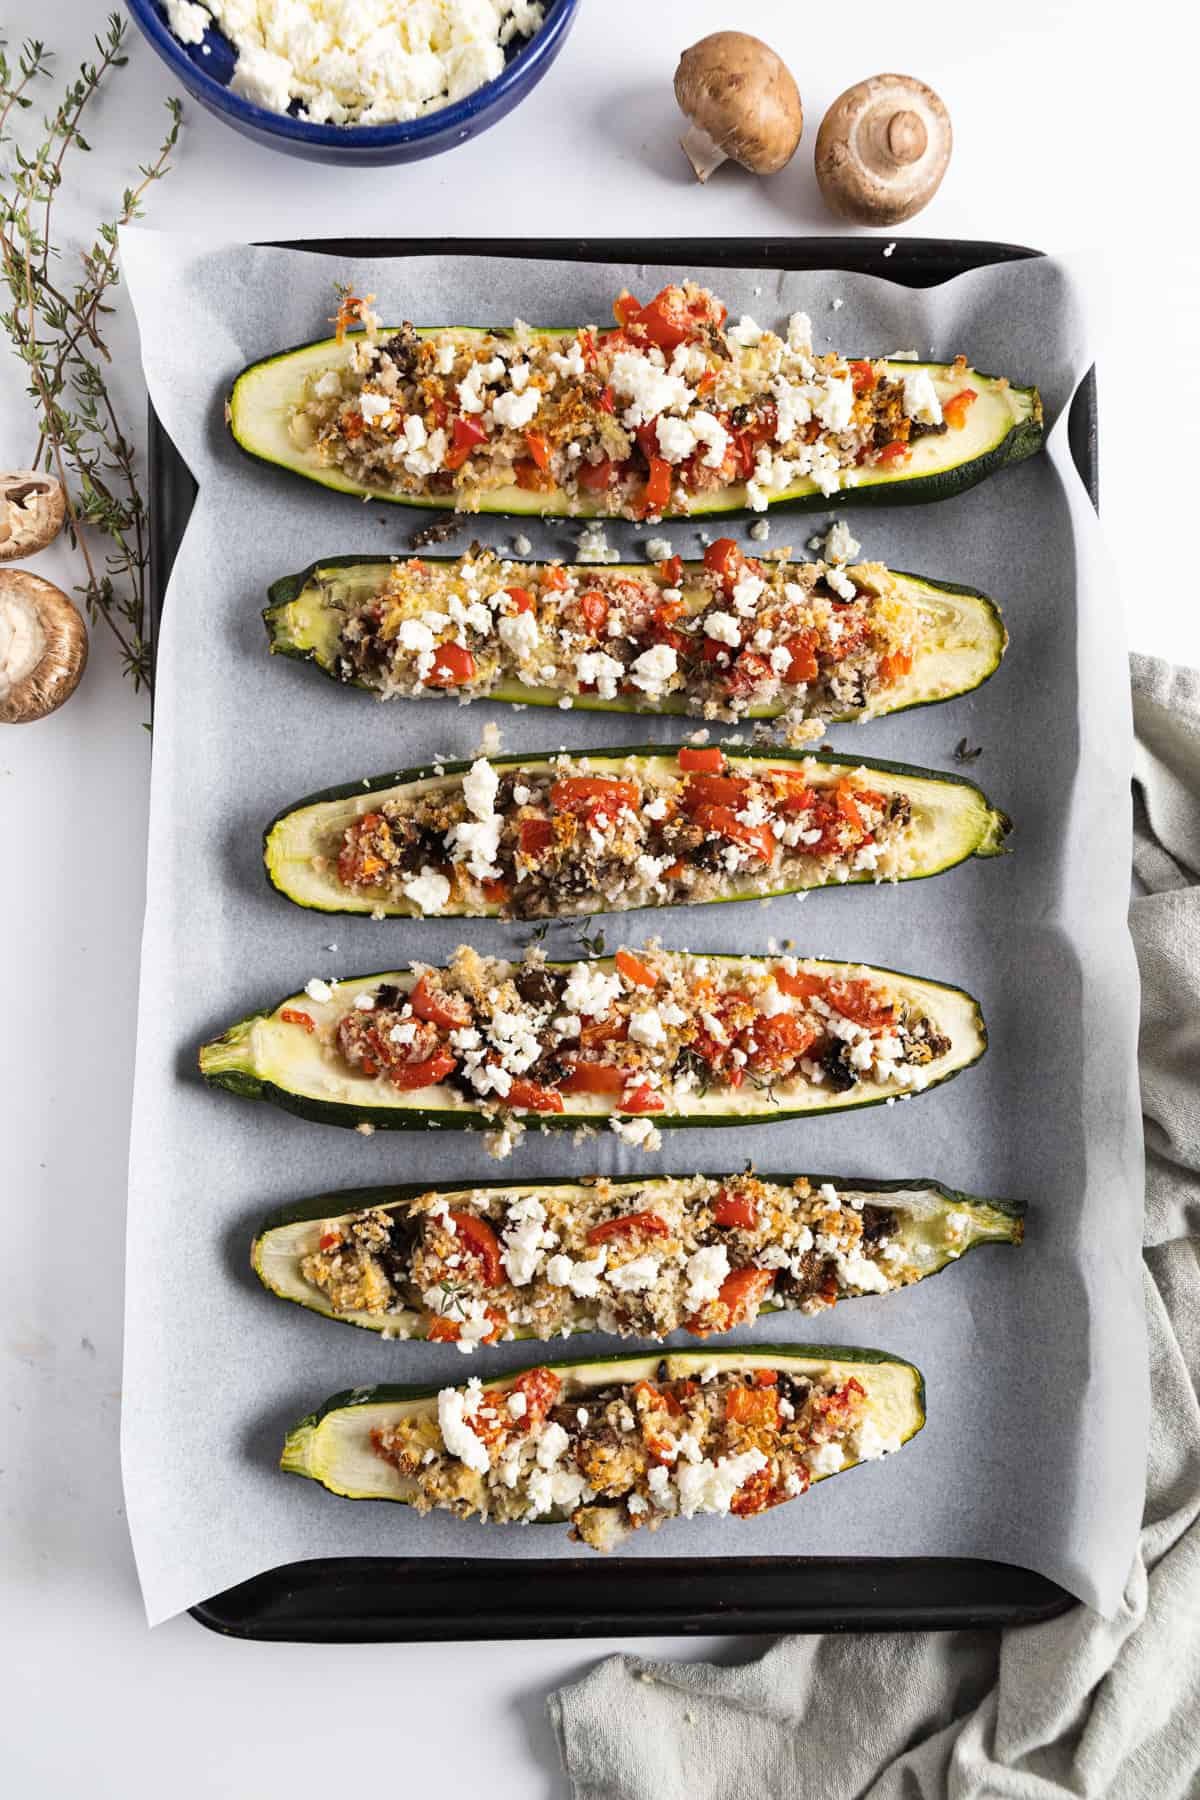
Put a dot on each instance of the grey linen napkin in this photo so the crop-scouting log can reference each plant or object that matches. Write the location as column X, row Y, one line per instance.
column 1081, row 1705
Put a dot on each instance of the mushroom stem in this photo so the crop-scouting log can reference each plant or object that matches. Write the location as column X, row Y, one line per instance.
column 702, row 151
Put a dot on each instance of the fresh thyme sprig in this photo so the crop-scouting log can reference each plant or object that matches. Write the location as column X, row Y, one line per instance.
column 56, row 327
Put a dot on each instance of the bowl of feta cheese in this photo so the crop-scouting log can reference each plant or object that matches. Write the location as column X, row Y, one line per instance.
column 357, row 81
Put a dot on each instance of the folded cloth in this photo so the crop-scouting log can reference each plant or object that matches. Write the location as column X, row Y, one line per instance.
column 1080, row 1705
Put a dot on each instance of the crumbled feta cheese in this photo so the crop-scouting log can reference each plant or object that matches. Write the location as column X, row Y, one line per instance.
column 582, row 1278
column 825, row 1459
column 639, row 1132
column 413, row 635
column 516, row 410
column 522, row 546
column 318, row 990
column 722, row 626
column 653, row 669
column 707, row 1487
column 518, row 1405
column 596, row 668
column 920, row 398
column 706, row 1270
column 646, row 1027
column 519, row 633
column 480, row 785
column 525, row 1240
column 760, row 531
column 799, row 330
column 869, row 1443
column 647, row 386
column 710, row 432
column 746, row 332
column 589, row 990
column 676, row 438
column 457, row 1435
column 428, row 891
column 659, row 549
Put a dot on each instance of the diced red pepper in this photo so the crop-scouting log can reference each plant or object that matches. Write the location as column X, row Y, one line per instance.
column 593, row 1078
column 656, row 494
column 626, row 310
column 757, row 1406
column 724, row 557
column 758, row 838
column 863, row 376
column 522, row 599
column 801, row 985
column 893, row 666
column 538, row 448
column 450, row 1011
column 593, row 796
column 529, row 476
column 713, row 790
column 743, row 1292
column 329, row 1240
column 859, row 1001
column 735, row 1212
column 530, row 1096
column 290, row 1016
column 453, row 666
column 780, row 1040
column 802, row 666
column 479, row 1241
column 956, row 408
column 643, row 1099
column 642, row 1224
column 766, row 1377
column 635, row 970
column 847, row 805
column 410, row 1076
column 541, row 1389
column 672, row 571
column 706, row 762
column 495, row 890
column 750, row 671
column 537, row 835
column 896, row 451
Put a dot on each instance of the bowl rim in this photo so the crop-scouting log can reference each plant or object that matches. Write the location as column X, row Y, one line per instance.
column 527, row 61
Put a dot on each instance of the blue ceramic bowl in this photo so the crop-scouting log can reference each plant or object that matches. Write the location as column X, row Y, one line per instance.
column 205, row 70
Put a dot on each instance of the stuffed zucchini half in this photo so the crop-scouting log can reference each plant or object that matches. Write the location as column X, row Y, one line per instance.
column 732, row 637
column 618, row 1444
column 545, row 837
column 640, row 1259
column 634, row 1041
column 673, row 413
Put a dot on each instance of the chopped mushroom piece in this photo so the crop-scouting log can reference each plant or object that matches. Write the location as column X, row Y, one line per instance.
column 743, row 104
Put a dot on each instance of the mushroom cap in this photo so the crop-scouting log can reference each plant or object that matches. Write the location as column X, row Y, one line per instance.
column 735, row 88
column 882, row 150
column 43, row 647
column 32, row 506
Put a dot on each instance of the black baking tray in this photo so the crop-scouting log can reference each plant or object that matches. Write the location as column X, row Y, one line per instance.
column 356, row 1599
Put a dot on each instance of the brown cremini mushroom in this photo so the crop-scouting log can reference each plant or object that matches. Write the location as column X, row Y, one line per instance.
column 742, row 102
column 882, row 150
column 31, row 512
column 43, row 647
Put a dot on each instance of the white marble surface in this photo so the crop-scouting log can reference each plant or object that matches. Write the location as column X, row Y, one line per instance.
column 1050, row 113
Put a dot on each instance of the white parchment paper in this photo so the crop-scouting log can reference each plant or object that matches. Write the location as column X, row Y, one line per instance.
column 1034, row 1359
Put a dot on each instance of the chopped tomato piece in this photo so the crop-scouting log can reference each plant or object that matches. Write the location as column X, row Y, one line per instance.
column 329, row 1239
column 443, row 1330
column 469, row 431
column 450, row 1011
column 522, row 599
column 593, row 1078
column 668, row 611
column 759, row 1491
column 956, row 408
column 859, row 1001
column 645, row 1224
column 530, row 1096
column 672, row 571
column 409, row 1076
column 704, row 762
column 596, row 476
column 453, row 665
column 593, row 609
column 713, row 790
column 537, row 835
column 290, row 1016
column 595, row 796
column 863, row 377
column 766, row 1377
column 611, row 1029
column 626, row 310
column 541, row 1389
column 587, row 348
column 743, row 1292
column 554, row 577
column 758, row 838
column 538, row 448
column 753, row 1406
column 734, row 1211
column 801, row 986
column 495, row 890
column 847, row 805
column 803, row 666
column 656, row 494
column 479, row 1241
column 749, row 672
column 643, row 1099
column 724, row 558
column 896, row 451
column 635, row 970
column 779, row 1041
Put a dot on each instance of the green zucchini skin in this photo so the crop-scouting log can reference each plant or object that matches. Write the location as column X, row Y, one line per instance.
column 301, row 1447
column 996, row 1221
column 227, row 1062
column 283, row 639
column 260, row 394
column 985, row 838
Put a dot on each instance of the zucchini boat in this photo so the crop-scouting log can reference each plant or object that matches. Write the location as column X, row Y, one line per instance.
column 632, row 1041
column 617, row 1444
column 546, row 1259
column 815, row 644
column 570, row 834
column 673, row 413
